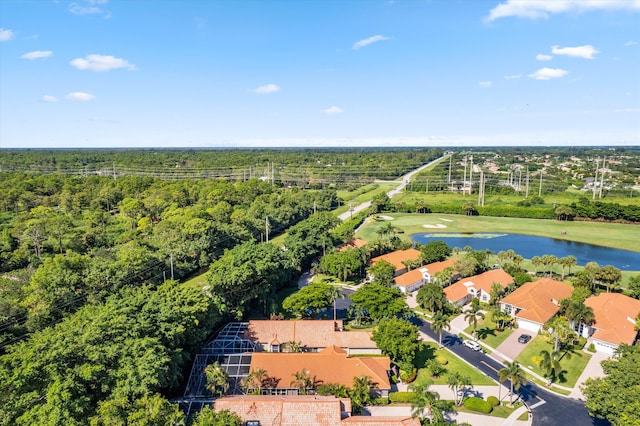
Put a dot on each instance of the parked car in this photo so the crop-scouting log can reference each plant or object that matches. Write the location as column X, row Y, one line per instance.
column 471, row 344
column 524, row 338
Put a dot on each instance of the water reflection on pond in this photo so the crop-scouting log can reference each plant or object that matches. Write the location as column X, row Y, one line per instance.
column 528, row 246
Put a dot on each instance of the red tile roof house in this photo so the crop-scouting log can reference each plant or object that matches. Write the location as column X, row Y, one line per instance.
column 312, row 335
column 308, row 410
column 535, row 303
column 614, row 321
column 462, row 291
column 330, row 365
column 397, row 257
column 414, row 279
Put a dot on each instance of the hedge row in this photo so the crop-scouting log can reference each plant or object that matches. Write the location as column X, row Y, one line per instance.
column 478, row 404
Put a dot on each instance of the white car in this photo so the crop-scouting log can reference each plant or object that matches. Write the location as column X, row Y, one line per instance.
column 472, row 345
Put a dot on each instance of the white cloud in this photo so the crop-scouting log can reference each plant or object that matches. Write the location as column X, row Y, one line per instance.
column 49, row 98
column 37, row 54
column 101, row 63
column 542, row 57
column 89, row 7
column 266, row 89
column 625, row 110
column 586, row 51
column 367, row 41
column 535, row 9
column 5, row 34
column 548, row 73
column 80, row 96
column 630, row 43
column 332, row 110
column 486, row 83
column 512, row 76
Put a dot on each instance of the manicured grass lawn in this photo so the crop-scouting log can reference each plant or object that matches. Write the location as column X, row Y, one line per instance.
column 487, row 332
column 454, row 364
column 503, row 411
column 622, row 236
column 197, row 282
column 572, row 367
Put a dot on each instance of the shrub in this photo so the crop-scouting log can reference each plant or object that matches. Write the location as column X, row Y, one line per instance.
column 591, row 347
column 380, row 401
column 442, row 360
column 478, row 404
column 493, row 400
column 403, row 397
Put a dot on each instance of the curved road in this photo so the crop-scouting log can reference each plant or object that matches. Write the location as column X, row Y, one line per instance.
column 405, row 180
column 548, row 408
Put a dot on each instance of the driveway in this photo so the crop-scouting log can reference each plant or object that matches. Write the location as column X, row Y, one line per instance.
column 510, row 348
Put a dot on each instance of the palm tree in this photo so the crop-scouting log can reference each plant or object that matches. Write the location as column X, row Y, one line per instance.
column 550, row 363
column 536, row 261
column 217, row 379
column 473, row 314
column 515, row 375
column 499, row 317
column 304, row 381
column 495, row 293
column 570, row 261
column 334, row 294
column 561, row 330
column 360, row 392
column 440, row 322
column 256, row 380
column 453, row 380
column 565, row 262
column 577, row 312
column 426, row 400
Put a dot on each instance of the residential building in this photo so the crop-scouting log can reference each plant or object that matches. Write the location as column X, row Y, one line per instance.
column 308, row 410
column 396, row 258
column 309, row 335
column 416, row 278
column 330, row 365
column 355, row 243
column 535, row 303
column 461, row 292
column 614, row 323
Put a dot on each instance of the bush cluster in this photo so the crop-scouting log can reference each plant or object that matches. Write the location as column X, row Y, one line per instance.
column 404, row 397
column 478, row 404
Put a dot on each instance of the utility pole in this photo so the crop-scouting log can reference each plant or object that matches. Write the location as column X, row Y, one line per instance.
column 520, row 179
column 266, row 226
column 114, row 170
column 595, row 180
column 527, row 191
column 481, row 189
column 471, row 173
column 540, row 190
column 314, row 206
column 601, row 179
column 464, row 178
column 450, row 159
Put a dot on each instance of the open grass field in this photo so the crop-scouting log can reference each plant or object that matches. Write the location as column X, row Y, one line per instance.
column 363, row 194
column 454, row 364
column 615, row 235
column 487, row 332
column 572, row 366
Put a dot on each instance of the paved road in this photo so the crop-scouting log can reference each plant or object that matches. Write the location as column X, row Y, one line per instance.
column 547, row 408
column 405, row 180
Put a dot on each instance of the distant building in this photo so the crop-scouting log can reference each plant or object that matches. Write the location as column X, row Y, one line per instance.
column 397, row 257
column 614, row 321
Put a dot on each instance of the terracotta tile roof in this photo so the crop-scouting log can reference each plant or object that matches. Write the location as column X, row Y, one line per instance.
column 330, row 365
column 538, row 300
column 286, row 410
column 615, row 317
column 380, row 421
column 459, row 289
column 409, row 278
column 356, row 243
column 436, row 267
column 312, row 333
column 397, row 257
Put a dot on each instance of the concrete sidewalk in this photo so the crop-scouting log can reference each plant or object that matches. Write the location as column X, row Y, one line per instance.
column 473, row 419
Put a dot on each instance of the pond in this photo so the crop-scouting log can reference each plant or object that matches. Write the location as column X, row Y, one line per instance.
column 528, row 246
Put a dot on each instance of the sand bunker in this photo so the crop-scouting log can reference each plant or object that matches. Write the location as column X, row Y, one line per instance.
column 445, row 220
column 385, row 217
column 438, row 226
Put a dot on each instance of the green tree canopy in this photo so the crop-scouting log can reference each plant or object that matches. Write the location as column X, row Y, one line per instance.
column 378, row 301
column 399, row 339
column 434, row 251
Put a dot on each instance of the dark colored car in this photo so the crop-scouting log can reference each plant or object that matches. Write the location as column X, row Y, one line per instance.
column 524, row 338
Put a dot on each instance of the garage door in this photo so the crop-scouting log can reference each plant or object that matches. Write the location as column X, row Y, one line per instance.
column 528, row 325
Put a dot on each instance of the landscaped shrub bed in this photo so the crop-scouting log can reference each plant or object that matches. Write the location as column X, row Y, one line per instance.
column 478, row 404
column 493, row 401
column 403, row 397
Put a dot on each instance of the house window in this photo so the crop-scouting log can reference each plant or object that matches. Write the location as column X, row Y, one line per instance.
column 252, row 423
column 275, row 348
column 508, row 309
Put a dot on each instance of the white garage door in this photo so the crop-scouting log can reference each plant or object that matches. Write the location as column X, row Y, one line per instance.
column 528, row 325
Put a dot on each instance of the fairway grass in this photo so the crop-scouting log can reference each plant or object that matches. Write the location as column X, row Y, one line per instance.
column 614, row 235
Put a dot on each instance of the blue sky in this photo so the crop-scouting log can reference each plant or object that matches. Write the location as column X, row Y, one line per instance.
column 138, row 73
